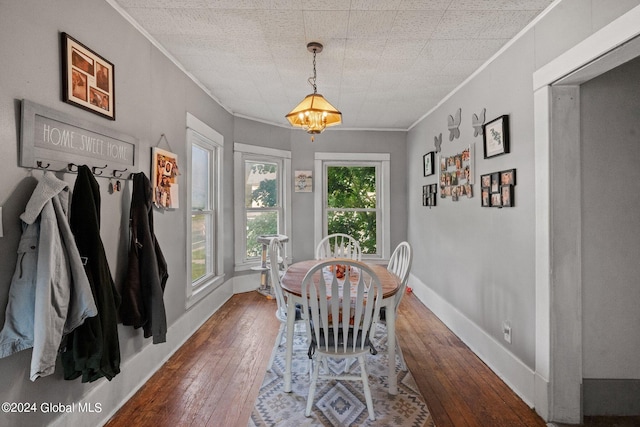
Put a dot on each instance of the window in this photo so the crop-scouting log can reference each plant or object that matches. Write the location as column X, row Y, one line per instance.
column 263, row 191
column 204, row 241
column 354, row 199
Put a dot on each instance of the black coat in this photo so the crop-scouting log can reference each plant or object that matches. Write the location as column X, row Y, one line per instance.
column 143, row 290
column 92, row 350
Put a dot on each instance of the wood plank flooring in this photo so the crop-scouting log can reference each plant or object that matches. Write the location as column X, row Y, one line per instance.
column 213, row 380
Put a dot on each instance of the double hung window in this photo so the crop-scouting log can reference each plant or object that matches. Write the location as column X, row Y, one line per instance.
column 204, row 240
column 262, row 199
column 354, row 199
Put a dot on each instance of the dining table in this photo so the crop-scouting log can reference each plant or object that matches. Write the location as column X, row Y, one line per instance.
column 292, row 286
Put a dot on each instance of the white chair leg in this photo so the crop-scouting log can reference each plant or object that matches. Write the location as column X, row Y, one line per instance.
column 276, row 345
column 403, row 364
column 312, row 388
column 367, row 390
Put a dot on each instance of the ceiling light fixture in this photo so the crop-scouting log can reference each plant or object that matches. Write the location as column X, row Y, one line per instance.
column 314, row 113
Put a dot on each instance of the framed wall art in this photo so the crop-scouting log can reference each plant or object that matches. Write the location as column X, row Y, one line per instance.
column 87, row 79
column 164, row 173
column 495, row 135
column 303, row 182
column 498, row 189
column 429, row 195
column 427, row 163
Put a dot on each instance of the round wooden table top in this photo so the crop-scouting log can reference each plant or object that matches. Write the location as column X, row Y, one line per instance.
column 292, row 279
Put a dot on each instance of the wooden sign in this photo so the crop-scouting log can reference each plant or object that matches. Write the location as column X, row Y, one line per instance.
column 52, row 139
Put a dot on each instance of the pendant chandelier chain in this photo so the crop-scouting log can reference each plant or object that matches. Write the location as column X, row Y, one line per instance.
column 315, row 90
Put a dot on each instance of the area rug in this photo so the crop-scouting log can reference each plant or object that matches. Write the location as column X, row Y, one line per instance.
column 338, row 403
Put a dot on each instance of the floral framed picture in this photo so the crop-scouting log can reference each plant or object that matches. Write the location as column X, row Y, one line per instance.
column 303, row 181
column 87, row 79
column 427, row 163
column 496, row 137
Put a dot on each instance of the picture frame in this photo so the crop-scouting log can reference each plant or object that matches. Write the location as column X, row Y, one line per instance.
column 427, row 163
column 495, row 136
column 508, row 177
column 303, row 181
column 485, row 180
column 496, row 200
column 429, row 194
column 495, row 182
column 506, row 195
column 87, row 78
column 164, row 173
column 486, row 197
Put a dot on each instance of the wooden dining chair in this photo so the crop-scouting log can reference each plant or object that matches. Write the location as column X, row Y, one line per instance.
column 338, row 245
column 342, row 298
column 278, row 265
column 400, row 265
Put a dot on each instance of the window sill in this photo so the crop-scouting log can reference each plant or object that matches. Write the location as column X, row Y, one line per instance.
column 203, row 290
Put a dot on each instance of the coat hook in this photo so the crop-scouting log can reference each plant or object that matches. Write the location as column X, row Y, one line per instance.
column 93, row 169
column 118, row 173
column 70, row 167
column 40, row 166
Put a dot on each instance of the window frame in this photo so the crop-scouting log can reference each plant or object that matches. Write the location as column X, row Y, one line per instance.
column 200, row 134
column 381, row 161
column 242, row 154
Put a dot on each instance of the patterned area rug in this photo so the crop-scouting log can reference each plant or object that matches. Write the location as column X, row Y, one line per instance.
column 338, row 403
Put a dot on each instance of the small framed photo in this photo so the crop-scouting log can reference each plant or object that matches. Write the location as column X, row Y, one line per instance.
column 87, row 79
column 434, row 188
column 495, row 182
column 506, row 192
column 508, row 177
column 495, row 136
column 427, row 163
column 486, row 197
column 303, row 181
column 485, row 180
column 496, row 200
column 426, row 189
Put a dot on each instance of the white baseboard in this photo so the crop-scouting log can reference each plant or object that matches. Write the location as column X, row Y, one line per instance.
column 519, row 377
column 135, row 371
column 246, row 283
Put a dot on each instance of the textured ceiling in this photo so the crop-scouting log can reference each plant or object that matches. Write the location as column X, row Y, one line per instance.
column 385, row 64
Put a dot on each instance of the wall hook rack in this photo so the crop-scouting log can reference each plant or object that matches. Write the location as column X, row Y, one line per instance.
column 93, row 169
column 118, row 172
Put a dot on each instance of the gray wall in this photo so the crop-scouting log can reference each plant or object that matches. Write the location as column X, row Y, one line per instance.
column 152, row 97
column 334, row 140
column 610, row 117
column 302, row 158
column 481, row 260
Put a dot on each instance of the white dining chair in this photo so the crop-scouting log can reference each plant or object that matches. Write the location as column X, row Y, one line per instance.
column 338, row 245
column 278, row 265
column 400, row 265
column 333, row 332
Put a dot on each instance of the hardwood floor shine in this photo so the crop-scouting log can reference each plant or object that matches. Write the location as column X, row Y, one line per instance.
column 214, row 378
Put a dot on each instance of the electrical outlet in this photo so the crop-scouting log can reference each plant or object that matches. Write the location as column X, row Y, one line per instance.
column 506, row 329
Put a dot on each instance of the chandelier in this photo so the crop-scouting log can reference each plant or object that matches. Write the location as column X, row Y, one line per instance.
column 314, row 113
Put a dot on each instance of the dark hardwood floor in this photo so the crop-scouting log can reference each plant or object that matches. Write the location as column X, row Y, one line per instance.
column 214, row 378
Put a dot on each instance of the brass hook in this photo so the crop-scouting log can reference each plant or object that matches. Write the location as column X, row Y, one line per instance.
column 39, row 163
column 70, row 167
